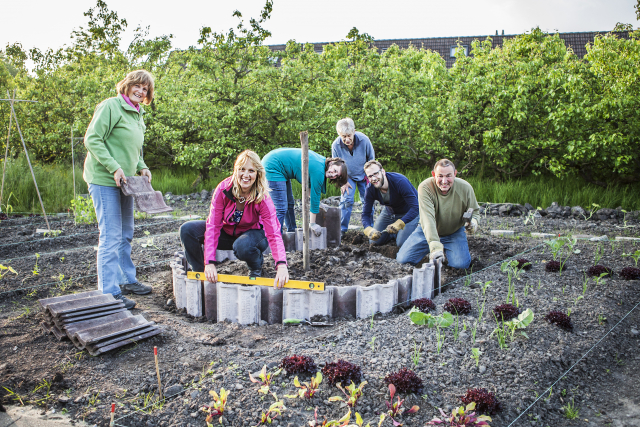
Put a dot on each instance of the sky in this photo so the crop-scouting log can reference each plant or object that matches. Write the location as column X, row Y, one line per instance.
column 48, row 24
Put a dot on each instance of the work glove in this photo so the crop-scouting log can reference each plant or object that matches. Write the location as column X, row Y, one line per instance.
column 472, row 227
column 372, row 233
column 436, row 252
column 395, row 227
column 317, row 230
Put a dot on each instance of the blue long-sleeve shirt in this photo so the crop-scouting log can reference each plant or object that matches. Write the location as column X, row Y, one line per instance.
column 403, row 199
column 284, row 164
column 355, row 160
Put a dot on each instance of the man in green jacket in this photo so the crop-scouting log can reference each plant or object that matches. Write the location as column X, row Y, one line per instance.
column 443, row 199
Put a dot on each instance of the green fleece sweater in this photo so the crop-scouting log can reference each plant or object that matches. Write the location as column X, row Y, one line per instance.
column 441, row 215
column 113, row 140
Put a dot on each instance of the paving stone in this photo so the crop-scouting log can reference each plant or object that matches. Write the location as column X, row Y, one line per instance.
column 189, row 217
column 422, row 282
column 543, row 235
column 239, row 304
column 621, row 238
column 303, row 304
column 502, row 232
column 271, row 305
column 379, row 298
column 404, row 290
column 195, row 302
column 315, row 242
column 344, row 301
column 210, row 301
column 180, row 288
column 603, row 238
column 583, row 236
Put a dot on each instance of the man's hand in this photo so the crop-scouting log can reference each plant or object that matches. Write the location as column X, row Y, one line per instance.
column 282, row 276
column 436, row 252
column 346, row 188
column 317, row 230
column 472, row 227
column 146, row 172
column 395, row 227
column 119, row 175
column 372, row 233
column 211, row 273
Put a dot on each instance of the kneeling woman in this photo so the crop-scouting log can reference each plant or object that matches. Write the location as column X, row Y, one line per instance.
column 242, row 218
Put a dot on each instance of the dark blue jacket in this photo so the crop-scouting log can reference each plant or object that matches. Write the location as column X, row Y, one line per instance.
column 403, row 199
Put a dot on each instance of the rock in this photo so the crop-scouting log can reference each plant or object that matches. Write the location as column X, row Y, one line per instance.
column 180, row 349
column 542, row 212
column 217, row 376
column 578, row 211
column 482, row 369
column 239, row 386
column 634, row 332
column 174, row 390
column 195, row 393
column 204, row 194
column 63, row 399
column 194, row 415
column 602, row 238
column 528, row 207
column 504, row 210
column 169, row 302
column 262, row 323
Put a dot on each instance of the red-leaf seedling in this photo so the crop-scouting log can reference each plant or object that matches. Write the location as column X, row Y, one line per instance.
column 264, row 379
column 342, row 422
column 461, row 417
column 272, row 413
column 306, row 390
column 354, row 393
column 395, row 409
column 217, row 409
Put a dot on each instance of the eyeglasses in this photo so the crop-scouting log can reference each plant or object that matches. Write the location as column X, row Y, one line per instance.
column 374, row 174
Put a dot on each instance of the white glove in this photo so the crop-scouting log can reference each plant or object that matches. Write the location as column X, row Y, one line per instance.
column 472, row 227
column 317, row 230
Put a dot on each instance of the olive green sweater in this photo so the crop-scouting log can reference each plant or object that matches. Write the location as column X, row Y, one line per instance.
column 113, row 140
column 441, row 215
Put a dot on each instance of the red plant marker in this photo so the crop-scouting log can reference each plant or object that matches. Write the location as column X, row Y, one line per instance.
column 113, row 412
column 155, row 355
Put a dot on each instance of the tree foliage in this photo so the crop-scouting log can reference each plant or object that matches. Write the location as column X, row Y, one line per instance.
column 528, row 107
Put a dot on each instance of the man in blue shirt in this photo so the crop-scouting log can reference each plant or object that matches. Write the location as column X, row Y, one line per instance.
column 400, row 215
column 355, row 149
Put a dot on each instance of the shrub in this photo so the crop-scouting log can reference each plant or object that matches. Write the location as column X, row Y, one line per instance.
column 458, row 306
column 553, row 266
column 560, row 319
column 630, row 273
column 524, row 264
column 425, row 305
column 486, row 402
column 342, row 372
column 597, row 270
column 405, row 381
column 506, row 312
column 296, row 365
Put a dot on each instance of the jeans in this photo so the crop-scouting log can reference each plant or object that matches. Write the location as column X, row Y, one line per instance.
column 385, row 219
column 346, row 202
column 456, row 248
column 248, row 247
column 283, row 200
column 114, row 211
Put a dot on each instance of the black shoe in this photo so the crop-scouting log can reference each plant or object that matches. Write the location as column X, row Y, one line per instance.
column 255, row 273
column 128, row 304
column 136, row 288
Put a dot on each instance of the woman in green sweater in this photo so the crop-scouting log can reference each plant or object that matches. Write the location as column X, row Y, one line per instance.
column 114, row 141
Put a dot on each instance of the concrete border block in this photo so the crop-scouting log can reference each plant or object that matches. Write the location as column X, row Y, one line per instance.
column 271, row 305
column 195, row 302
column 378, row 298
column 543, row 235
column 344, row 301
column 622, row 238
column 423, row 281
column 404, row 290
column 502, row 232
column 180, row 289
column 437, row 277
column 301, row 304
column 289, row 239
column 329, row 217
column 239, row 304
column 210, row 301
column 315, row 242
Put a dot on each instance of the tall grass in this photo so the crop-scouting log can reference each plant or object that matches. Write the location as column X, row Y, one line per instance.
column 56, row 187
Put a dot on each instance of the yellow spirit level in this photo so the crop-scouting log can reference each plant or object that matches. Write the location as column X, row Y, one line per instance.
column 259, row 281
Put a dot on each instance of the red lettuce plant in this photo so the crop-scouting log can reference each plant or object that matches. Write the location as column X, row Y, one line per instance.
column 405, row 381
column 560, row 319
column 297, row 365
column 553, row 266
column 630, row 273
column 486, row 402
column 524, row 264
column 458, row 306
column 597, row 270
column 506, row 312
column 342, row 372
column 425, row 305
column 461, row 417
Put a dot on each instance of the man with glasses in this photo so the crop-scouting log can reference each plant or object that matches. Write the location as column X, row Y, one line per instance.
column 399, row 217
column 355, row 149
column 443, row 200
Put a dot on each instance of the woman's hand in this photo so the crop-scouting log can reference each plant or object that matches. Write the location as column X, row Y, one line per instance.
column 282, row 276
column 346, row 188
column 119, row 175
column 146, row 172
column 211, row 273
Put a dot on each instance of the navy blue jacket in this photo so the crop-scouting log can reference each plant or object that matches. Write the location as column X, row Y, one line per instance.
column 403, row 199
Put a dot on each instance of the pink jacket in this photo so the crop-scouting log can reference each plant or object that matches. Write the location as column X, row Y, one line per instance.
column 256, row 216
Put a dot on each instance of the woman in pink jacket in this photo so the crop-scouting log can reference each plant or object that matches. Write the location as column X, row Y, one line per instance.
column 242, row 217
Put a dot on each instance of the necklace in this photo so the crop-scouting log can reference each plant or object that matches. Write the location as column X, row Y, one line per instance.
column 241, row 199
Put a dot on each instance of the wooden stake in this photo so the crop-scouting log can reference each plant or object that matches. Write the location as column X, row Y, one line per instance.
column 155, row 354
column 6, row 151
column 304, row 141
column 113, row 412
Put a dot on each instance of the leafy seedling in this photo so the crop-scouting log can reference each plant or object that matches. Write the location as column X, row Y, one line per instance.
column 462, row 417
column 475, row 354
column 394, row 409
column 306, row 390
column 272, row 413
column 352, row 393
column 419, row 318
column 333, row 423
column 635, row 256
column 149, row 243
column 417, row 352
column 8, row 269
column 571, row 411
column 264, row 379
